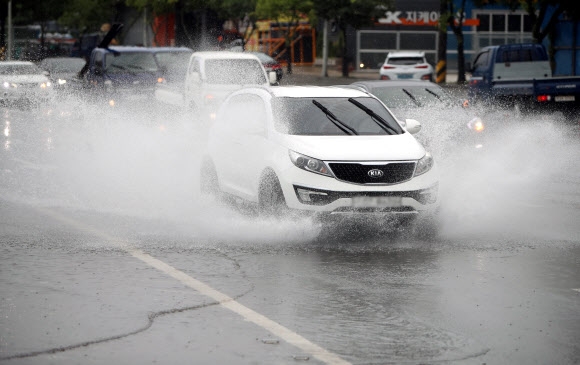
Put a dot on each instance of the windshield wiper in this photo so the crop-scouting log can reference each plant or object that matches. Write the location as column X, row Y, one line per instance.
column 343, row 127
column 412, row 97
column 434, row 94
column 375, row 117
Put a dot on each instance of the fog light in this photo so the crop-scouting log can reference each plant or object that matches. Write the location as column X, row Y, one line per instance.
column 112, row 102
column 309, row 196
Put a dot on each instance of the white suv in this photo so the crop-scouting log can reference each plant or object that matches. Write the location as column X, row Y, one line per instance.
column 325, row 150
column 405, row 66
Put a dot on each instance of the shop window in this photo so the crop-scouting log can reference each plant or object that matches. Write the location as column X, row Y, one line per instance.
column 483, row 23
column 514, row 23
column 498, row 22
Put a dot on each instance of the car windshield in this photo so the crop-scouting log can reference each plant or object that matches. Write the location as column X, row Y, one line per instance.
column 235, row 71
column 62, row 65
column 300, row 116
column 131, row 61
column 24, row 69
column 405, row 60
column 411, row 96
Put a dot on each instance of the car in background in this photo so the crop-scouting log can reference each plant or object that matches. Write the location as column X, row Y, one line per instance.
column 122, row 75
column 62, row 71
column 405, row 66
column 446, row 120
column 24, row 84
column 321, row 151
column 270, row 64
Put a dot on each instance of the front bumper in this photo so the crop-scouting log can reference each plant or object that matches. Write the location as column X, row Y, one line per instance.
column 307, row 191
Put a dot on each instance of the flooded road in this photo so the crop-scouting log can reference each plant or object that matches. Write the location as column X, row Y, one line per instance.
column 110, row 255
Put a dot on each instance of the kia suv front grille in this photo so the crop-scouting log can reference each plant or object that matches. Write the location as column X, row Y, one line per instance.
column 388, row 173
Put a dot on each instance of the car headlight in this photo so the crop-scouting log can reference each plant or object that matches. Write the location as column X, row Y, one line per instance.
column 45, row 85
column 61, row 81
column 8, row 85
column 424, row 164
column 476, row 124
column 309, row 164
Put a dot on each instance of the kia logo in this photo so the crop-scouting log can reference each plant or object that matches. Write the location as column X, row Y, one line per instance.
column 375, row 173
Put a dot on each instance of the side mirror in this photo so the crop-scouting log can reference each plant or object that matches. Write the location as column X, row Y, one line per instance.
column 272, row 77
column 468, row 67
column 412, row 126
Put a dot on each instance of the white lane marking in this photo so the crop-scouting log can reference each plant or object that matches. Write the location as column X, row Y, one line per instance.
column 224, row 300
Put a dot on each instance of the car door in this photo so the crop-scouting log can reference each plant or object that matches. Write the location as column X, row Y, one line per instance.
column 243, row 134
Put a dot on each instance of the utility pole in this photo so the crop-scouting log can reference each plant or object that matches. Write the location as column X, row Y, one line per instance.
column 10, row 30
column 441, row 68
column 325, row 49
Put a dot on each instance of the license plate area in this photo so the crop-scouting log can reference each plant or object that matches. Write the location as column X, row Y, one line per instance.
column 564, row 98
column 377, row 201
column 405, row 76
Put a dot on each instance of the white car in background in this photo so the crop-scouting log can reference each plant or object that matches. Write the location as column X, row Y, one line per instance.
column 24, row 84
column 405, row 66
column 318, row 150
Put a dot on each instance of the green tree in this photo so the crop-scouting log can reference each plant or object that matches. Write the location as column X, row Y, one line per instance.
column 287, row 14
column 353, row 13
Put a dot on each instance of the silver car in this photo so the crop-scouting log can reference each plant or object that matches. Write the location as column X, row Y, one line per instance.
column 24, row 84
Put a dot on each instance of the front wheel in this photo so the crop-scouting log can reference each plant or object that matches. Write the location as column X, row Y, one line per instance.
column 271, row 198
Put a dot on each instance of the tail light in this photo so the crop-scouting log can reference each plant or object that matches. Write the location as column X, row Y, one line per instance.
column 386, row 67
column 383, row 77
column 426, row 77
column 543, row 98
column 422, row 66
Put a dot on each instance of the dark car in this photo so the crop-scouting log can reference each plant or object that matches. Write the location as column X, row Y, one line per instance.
column 62, row 70
column 270, row 64
column 446, row 120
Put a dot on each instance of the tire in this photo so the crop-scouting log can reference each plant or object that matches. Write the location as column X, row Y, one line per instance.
column 208, row 179
column 271, row 200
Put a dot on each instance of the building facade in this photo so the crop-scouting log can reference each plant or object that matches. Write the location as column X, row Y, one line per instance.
column 412, row 26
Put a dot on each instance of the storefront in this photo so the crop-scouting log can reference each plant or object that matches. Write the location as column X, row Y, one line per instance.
column 412, row 26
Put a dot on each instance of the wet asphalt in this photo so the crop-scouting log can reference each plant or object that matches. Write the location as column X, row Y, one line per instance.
column 109, row 255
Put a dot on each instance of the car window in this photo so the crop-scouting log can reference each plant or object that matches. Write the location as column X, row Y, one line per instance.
column 133, row 61
column 405, row 60
column 235, row 71
column 244, row 112
column 299, row 116
column 62, row 65
column 481, row 60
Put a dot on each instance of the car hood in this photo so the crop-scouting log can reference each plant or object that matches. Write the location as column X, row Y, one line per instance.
column 356, row 148
column 24, row 79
